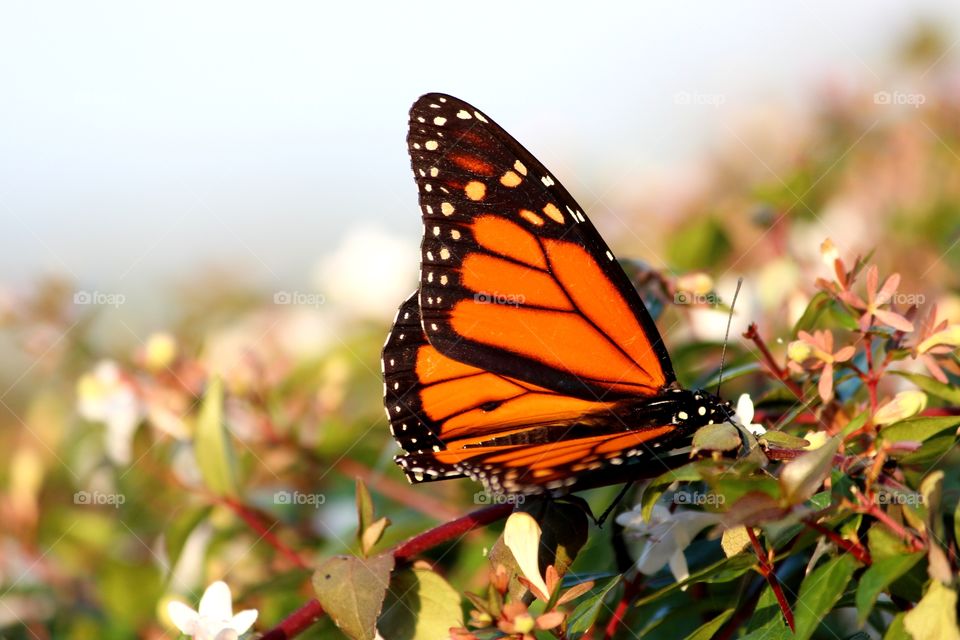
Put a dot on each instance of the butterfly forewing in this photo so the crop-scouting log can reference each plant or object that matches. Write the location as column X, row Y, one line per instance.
column 514, row 277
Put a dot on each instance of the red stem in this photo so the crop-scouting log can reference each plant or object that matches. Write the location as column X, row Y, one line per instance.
column 779, row 372
column 630, row 590
column 869, row 508
column 450, row 530
column 766, row 570
column 258, row 523
column 297, row 622
column 856, row 549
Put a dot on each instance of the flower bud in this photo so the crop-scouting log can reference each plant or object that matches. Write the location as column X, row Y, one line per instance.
column 160, row 351
column 799, row 351
column 949, row 337
column 904, row 405
column 697, row 283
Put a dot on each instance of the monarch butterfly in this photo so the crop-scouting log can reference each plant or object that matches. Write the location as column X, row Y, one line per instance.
column 526, row 360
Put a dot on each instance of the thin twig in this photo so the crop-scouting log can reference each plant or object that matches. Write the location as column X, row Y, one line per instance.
column 259, row 523
column 855, row 549
column 766, row 570
column 779, row 372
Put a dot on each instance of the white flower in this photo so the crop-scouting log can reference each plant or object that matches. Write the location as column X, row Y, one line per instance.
column 666, row 535
column 744, row 416
column 215, row 619
column 107, row 395
column 521, row 534
column 369, row 273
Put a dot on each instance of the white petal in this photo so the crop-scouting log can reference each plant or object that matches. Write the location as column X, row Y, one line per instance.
column 744, row 409
column 756, row 429
column 244, row 620
column 227, row 634
column 678, row 566
column 215, row 602
column 521, row 534
column 656, row 554
column 183, row 617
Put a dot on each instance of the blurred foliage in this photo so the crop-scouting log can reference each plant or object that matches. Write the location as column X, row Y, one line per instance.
column 228, row 445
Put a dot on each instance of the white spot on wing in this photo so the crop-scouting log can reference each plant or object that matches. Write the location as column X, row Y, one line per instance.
column 547, row 181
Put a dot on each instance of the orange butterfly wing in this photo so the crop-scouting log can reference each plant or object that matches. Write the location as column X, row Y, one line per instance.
column 515, row 279
column 526, row 349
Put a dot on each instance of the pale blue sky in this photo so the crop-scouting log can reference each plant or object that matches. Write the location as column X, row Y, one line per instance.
column 140, row 140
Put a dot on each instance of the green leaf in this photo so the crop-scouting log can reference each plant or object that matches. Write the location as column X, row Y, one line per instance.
column 176, row 534
column 783, row 440
column 930, row 453
column 707, row 631
column 372, row 534
column 652, row 492
column 802, row 476
column 420, row 605
column 719, row 572
column 934, row 387
column 855, row 424
column 935, row 616
column 824, row 312
column 753, row 509
column 884, row 544
column 767, row 621
column 880, row 575
column 701, row 243
column 918, row 428
column 819, row 591
column 212, row 445
column 585, row 615
column 351, row 590
column 364, row 507
column 896, row 631
column 722, row 436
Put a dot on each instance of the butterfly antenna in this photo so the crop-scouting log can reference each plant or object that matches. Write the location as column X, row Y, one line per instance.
column 613, row 505
column 726, row 337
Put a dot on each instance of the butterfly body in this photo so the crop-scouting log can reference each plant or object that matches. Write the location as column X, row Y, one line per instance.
column 526, row 359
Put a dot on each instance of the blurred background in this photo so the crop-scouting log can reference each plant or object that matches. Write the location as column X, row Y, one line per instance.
column 209, row 191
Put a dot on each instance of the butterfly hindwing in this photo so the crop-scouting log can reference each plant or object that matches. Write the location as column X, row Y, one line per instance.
column 434, row 402
column 515, row 279
column 535, row 468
